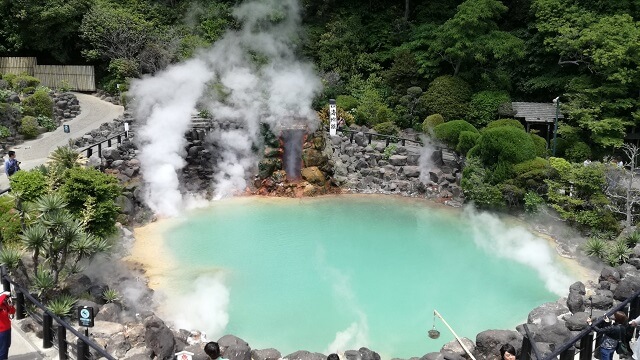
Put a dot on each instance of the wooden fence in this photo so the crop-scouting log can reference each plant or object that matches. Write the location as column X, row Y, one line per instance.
column 76, row 77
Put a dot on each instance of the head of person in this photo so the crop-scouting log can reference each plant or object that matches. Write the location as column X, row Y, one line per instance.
column 12, row 154
column 620, row 317
column 333, row 356
column 507, row 352
column 212, row 349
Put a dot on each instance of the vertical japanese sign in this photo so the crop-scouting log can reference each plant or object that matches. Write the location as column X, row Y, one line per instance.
column 333, row 117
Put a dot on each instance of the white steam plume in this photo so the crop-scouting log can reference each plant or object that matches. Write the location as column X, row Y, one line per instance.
column 356, row 335
column 250, row 76
column 516, row 243
column 204, row 307
column 166, row 101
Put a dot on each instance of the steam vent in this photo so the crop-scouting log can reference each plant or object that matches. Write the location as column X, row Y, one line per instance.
column 295, row 163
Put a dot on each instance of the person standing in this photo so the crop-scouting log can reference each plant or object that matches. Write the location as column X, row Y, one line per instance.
column 612, row 334
column 6, row 314
column 11, row 165
column 212, row 349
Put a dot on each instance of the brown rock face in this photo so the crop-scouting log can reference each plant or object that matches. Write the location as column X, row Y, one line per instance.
column 313, row 175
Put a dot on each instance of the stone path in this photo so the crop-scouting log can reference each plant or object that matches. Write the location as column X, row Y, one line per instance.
column 93, row 113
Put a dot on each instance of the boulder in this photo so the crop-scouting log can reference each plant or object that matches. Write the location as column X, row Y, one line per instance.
column 109, row 312
column 117, row 346
column 234, row 348
column 454, row 347
column 627, row 287
column 577, row 321
column 547, row 313
column 575, row 302
column 398, row 160
column 367, row 354
column 313, row 175
column 609, row 274
column 159, row 338
column 266, row 354
column 305, row 355
column 488, row 342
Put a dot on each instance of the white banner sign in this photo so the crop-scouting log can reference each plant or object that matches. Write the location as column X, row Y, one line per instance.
column 333, row 117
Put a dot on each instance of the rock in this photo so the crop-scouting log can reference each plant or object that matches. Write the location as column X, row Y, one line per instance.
column 352, row 355
column 313, row 175
column 547, row 313
column 578, row 287
column 234, row 348
column 266, row 354
column 455, row 347
column 488, row 342
column 312, row 157
column 411, row 171
column 111, row 154
column 109, row 312
column 556, row 333
column 117, row 346
column 433, row 356
column 627, row 287
column 575, row 302
column 305, row 355
column 398, row 160
column 159, row 338
column 360, row 139
column 609, row 274
column 577, row 321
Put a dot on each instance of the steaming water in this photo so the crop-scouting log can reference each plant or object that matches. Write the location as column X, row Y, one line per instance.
column 337, row 273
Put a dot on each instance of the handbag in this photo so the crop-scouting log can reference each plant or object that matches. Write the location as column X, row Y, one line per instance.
column 622, row 348
column 635, row 344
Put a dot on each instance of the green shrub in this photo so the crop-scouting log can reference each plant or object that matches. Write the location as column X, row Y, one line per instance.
column 9, row 221
column 477, row 189
column 484, row 106
column 595, row 247
column 346, row 102
column 29, row 127
column 633, row 239
column 505, row 122
column 448, row 96
column 92, row 195
column 431, row 122
column 46, row 123
column 388, row 151
column 532, row 202
column 38, row 104
column 28, row 184
column 540, row 144
column 504, row 144
column 466, row 140
column 530, row 165
column 385, row 114
column 386, row 128
column 449, row 132
column 501, row 172
column 62, row 305
column 64, row 86
column 578, row 152
column 4, row 132
column 21, row 82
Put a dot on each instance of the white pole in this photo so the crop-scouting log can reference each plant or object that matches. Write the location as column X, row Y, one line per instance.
column 333, row 117
column 454, row 334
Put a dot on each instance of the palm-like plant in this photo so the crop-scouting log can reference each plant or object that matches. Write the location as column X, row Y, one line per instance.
column 111, row 296
column 620, row 251
column 64, row 157
column 633, row 238
column 33, row 238
column 62, row 305
column 596, row 247
column 10, row 257
column 43, row 282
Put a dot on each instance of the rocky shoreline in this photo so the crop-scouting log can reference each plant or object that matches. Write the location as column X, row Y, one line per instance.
column 132, row 331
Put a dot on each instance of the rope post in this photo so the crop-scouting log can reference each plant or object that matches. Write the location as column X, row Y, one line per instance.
column 47, row 331
column 21, row 311
column 387, row 142
column 370, row 138
column 100, row 150
column 586, row 346
column 351, row 138
column 119, row 139
column 89, row 152
column 6, row 285
column 62, row 343
column 82, row 350
column 109, row 143
column 403, row 141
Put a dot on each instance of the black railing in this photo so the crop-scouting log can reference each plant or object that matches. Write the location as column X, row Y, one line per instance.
column 371, row 136
column 83, row 342
column 585, row 337
column 89, row 149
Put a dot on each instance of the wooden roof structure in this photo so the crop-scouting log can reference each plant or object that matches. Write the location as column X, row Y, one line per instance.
column 536, row 112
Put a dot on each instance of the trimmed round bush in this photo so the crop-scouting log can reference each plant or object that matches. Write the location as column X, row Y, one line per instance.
column 504, row 144
column 530, row 165
column 386, row 128
column 505, row 122
column 29, row 127
column 449, row 132
column 578, row 152
column 430, row 122
column 21, row 82
column 484, row 106
column 540, row 143
column 466, row 141
column 38, row 104
column 448, row 96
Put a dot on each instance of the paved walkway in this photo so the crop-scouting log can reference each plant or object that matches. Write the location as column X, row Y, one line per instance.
column 93, row 113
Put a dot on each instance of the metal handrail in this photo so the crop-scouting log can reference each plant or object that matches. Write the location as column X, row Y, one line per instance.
column 371, row 135
column 100, row 350
column 89, row 149
column 586, row 331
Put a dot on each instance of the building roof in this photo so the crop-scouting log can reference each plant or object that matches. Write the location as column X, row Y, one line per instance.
column 536, row 112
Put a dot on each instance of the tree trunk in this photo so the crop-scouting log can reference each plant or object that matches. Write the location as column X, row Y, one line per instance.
column 457, row 68
column 406, row 10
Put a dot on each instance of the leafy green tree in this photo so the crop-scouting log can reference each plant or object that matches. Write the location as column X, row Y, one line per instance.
column 448, row 96
column 576, row 192
column 471, row 37
column 91, row 195
column 484, row 105
column 49, row 27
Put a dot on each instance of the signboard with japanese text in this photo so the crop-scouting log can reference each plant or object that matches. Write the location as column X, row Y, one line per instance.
column 333, row 117
column 85, row 316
